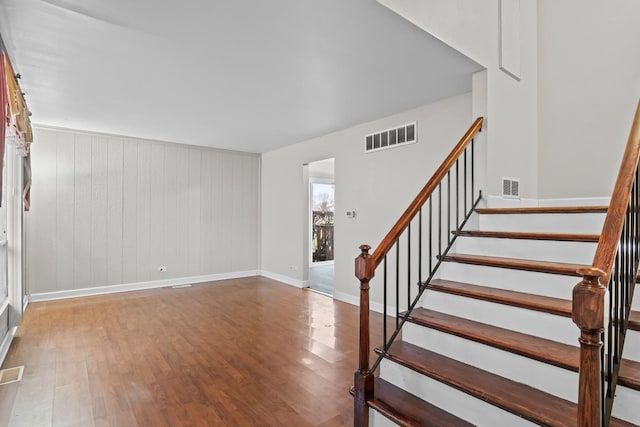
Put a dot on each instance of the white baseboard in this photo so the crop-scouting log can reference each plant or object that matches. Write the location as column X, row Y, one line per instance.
column 102, row 290
column 6, row 343
column 348, row 298
column 501, row 202
column 285, row 279
column 373, row 306
column 579, row 201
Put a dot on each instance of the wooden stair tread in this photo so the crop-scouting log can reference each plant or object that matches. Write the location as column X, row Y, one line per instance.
column 562, row 237
column 517, row 398
column 629, row 374
column 543, row 209
column 551, row 305
column 634, row 320
column 620, row 423
column 544, row 350
column 517, row 264
column 405, row 409
column 520, row 399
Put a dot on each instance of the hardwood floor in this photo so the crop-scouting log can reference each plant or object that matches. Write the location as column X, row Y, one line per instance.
column 243, row 352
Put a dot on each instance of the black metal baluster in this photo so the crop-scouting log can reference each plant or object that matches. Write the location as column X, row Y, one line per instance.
column 612, row 341
column 430, row 235
column 465, row 181
column 613, row 352
column 440, row 219
column 631, row 274
column 630, row 278
column 457, row 197
column 448, row 207
column 384, row 307
column 624, row 294
column 472, row 170
column 420, row 246
column 636, row 224
column 609, row 346
column 397, row 283
column 636, row 214
column 408, row 266
column 603, row 378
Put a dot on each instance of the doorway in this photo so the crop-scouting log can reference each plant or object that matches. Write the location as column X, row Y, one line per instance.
column 321, row 221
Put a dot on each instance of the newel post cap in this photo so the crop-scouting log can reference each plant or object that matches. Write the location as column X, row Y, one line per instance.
column 588, row 300
column 365, row 265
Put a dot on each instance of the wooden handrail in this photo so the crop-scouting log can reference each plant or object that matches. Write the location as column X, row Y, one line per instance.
column 387, row 243
column 612, row 228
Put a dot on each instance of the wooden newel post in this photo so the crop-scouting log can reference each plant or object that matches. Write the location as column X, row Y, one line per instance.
column 588, row 315
column 363, row 381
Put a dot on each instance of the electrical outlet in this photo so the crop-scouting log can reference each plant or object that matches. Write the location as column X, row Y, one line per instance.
column 162, row 268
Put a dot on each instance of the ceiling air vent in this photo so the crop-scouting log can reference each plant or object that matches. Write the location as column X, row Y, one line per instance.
column 389, row 138
column 510, row 188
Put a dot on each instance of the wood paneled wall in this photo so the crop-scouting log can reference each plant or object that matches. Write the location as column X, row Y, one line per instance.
column 111, row 210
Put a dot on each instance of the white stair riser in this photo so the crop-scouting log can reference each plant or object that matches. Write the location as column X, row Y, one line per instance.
column 632, row 346
column 376, row 419
column 544, row 325
column 541, row 250
column 551, row 379
column 448, row 398
column 590, row 223
column 626, row 404
column 635, row 304
column 552, row 285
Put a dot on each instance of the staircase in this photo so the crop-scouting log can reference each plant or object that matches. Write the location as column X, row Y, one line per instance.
column 504, row 316
column 492, row 342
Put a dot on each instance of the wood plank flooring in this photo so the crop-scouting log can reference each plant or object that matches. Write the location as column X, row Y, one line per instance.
column 242, row 352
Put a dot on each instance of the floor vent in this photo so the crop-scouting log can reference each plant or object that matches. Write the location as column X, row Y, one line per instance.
column 510, row 188
column 181, row 286
column 11, row 375
column 389, row 138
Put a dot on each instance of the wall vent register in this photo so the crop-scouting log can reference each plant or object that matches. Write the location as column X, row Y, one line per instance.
column 389, row 138
column 510, row 188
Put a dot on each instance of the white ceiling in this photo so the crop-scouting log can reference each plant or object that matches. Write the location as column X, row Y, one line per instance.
column 246, row 75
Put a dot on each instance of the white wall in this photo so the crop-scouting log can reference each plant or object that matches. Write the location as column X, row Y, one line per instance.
column 561, row 129
column 109, row 210
column 589, row 85
column 471, row 27
column 378, row 185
